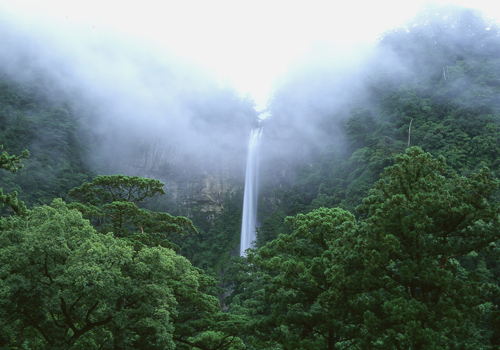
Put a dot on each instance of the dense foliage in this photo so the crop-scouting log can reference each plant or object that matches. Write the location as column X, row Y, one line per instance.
column 65, row 286
column 52, row 132
column 439, row 73
column 395, row 278
column 379, row 210
column 11, row 163
column 409, row 264
column 112, row 204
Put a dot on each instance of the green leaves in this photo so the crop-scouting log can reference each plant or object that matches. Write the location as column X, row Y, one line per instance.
column 300, row 268
column 418, row 221
column 63, row 285
column 57, row 141
column 112, row 204
column 118, row 188
column 11, row 162
column 395, row 278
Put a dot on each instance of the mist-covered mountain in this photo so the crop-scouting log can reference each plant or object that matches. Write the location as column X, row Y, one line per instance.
column 342, row 259
column 99, row 106
column 336, row 126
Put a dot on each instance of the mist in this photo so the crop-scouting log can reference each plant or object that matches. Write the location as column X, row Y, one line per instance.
column 151, row 112
column 330, row 90
column 145, row 108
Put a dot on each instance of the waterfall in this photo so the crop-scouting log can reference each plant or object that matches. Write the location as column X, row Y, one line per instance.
column 249, row 219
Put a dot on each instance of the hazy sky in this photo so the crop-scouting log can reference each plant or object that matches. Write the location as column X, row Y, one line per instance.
column 246, row 43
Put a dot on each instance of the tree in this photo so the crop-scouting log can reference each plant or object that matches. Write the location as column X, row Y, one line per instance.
column 359, row 128
column 248, row 299
column 112, row 203
column 307, row 310
column 420, row 223
column 398, row 278
column 456, row 34
column 199, row 322
column 65, row 286
column 11, row 163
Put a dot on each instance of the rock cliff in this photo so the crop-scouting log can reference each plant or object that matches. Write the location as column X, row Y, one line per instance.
column 194, row 183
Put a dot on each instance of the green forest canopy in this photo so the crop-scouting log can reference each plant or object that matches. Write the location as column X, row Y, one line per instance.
column 345, row 257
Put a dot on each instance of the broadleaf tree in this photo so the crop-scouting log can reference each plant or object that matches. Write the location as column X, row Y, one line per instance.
column 63, row 285
column 112, row 203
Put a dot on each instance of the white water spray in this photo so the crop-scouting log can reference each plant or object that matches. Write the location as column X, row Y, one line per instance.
column 249, row 219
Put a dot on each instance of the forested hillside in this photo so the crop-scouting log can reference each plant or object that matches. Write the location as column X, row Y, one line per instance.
column 379, row 203
column 439, row 74
column 377, row 269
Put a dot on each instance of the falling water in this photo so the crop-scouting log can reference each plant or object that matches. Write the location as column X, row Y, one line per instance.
column 251, row 190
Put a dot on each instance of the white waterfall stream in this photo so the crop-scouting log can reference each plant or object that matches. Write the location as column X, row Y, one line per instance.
column 249, row 219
